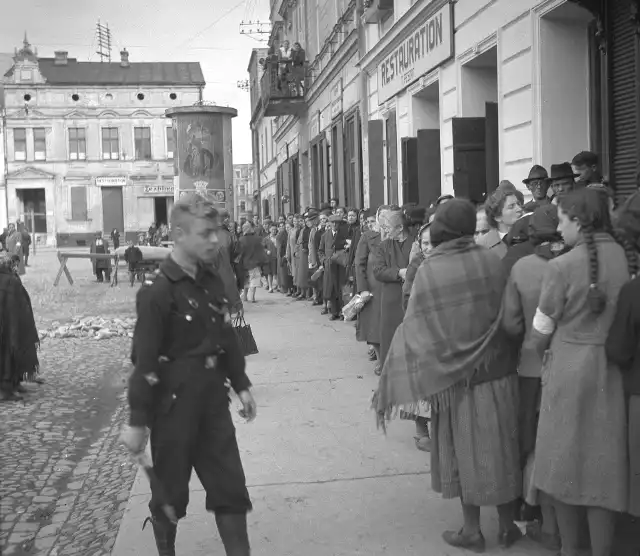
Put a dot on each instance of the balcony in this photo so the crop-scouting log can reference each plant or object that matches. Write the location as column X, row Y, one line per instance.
column 283, row 87
column 376, row 10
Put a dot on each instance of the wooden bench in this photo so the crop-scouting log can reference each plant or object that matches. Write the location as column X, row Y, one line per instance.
column 64, row 256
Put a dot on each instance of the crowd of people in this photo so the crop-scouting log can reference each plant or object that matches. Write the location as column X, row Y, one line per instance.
column 16, row 241
column 508, row 331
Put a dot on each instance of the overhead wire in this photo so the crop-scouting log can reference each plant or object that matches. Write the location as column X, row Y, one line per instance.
column 215, row 22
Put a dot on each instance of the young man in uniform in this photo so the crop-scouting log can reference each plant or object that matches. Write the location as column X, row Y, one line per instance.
column 184, row 351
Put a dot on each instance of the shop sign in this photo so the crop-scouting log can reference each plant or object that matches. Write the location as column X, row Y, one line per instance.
column 427, row 47
column 158, row 189
column 111, row 181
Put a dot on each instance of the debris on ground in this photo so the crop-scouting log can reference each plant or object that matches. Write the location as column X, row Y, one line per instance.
column 97, row 328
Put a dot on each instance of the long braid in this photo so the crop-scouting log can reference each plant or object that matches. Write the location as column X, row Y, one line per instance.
column 629, row 251
column 596, row 298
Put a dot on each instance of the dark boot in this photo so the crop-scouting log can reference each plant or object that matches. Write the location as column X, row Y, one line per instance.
column 165, row 535
column 234, row 535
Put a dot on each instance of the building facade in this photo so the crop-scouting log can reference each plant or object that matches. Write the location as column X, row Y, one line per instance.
column 454, row 96
column 308, row 137
column 243, row 192
column 88, row 144
column 464, row 94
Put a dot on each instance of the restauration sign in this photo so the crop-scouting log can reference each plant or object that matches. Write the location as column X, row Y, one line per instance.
column 426, row 47
column 106, row 181
column 158, row 189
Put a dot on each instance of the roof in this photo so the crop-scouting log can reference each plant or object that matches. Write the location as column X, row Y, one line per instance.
column 6, row 61
column 112, row 73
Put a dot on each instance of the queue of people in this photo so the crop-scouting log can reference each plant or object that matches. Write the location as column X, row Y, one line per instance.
column 531, row 405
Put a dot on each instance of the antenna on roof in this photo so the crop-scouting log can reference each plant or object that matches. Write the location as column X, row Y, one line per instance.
column 104, row 41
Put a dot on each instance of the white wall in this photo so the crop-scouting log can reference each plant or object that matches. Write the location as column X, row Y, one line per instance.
column 477, row 87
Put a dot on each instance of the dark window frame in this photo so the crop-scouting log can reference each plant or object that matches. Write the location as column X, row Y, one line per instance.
column 77, row 143
column 112, row 138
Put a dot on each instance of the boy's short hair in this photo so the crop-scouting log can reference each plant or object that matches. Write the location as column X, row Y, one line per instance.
column 189, row 207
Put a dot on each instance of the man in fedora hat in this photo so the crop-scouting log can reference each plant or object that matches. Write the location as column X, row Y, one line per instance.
column 561, row 180
column 538, row 186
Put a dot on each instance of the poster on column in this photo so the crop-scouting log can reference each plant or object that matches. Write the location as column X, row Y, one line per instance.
column 200, row 162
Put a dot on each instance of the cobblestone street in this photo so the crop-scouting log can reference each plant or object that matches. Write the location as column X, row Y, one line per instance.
column 64, row 481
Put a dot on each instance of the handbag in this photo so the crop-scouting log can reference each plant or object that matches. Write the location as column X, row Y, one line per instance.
column 245, row 336
column 341, row 258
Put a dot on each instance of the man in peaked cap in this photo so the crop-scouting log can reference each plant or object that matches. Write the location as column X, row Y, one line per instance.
column 538, row 186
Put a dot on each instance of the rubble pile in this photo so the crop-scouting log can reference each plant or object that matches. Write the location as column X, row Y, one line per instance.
column 96, row 328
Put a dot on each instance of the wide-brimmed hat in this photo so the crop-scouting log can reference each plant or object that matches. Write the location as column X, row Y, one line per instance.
column 335, row 218
column 537, row 172
column 561, row 172
column 311, row 214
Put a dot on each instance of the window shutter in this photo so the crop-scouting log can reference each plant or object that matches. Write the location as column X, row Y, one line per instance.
column 79, row 203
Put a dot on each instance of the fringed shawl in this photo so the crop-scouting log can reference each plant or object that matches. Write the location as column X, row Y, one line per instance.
column 450, row 330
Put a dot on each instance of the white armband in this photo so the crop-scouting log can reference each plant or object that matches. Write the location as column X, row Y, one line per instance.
column 543, row 324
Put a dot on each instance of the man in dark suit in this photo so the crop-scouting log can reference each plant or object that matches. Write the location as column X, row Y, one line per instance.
column 335, row 260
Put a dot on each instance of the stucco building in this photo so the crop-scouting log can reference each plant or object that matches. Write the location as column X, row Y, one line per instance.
column 243, row 192
column 88, row 144
column 455, row 96
column 308, row 134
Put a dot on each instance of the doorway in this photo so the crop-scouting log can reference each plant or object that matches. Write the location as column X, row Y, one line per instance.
column 476, row 137
column 564, row 74
column 162, row 209
column 33, row 207
column 391, row 140
column 423, row 181
column 112, row 209
column 295, row 183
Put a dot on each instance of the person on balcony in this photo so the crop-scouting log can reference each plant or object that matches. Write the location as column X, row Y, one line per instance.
column 285, row 51
column 298, row 58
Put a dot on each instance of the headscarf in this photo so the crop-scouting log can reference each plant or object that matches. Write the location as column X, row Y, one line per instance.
column 453, row 220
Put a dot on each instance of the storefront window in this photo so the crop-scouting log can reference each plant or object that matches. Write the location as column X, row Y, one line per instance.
column 20, row 143
column 110, row 143
column 171, row 145
column 77, row 143
column 142, row 137
column 39, row 143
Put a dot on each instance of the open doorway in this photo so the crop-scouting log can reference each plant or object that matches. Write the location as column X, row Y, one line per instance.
column 426, row 186
column 476, row 137
column 162, row 210
column 564, row 74
column 33, row 211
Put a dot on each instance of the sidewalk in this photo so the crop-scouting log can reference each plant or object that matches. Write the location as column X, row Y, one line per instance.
column 323, row 480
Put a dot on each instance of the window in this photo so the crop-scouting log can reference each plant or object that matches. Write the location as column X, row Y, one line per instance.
column 20, row 143
column 171, row 144
column 79, row 203
column 77, row 143
column 142, row 137
column 39, row 143
column 110, row 143
column 242, row 189
column 26, row 75
column 243, row 206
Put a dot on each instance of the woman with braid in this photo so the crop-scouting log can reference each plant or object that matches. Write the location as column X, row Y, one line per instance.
column 581, row 448
column 623, row 343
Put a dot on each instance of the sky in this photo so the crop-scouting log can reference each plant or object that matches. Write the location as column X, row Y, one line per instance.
column 205, row 31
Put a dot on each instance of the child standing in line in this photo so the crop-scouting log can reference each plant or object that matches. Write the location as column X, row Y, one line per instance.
column 133, row 257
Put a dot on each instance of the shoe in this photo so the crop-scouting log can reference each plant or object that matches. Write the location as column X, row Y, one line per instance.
column 334, row 317
column 423, row 443
column 317, row 303
column 289, row 294
column 378, row 369
column 508, row 538
column 373, row 356
column 474, row 543
column 324, row 311
column 300, row 298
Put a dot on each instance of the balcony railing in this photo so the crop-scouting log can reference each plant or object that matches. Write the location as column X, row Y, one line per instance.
column 283, row 85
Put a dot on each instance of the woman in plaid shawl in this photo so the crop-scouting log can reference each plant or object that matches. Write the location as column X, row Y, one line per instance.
column 451, row 354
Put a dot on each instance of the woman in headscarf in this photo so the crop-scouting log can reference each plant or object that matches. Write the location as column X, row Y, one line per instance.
column 581, row 456
column 390, row 268
column 14, row 246
column 19, row 338
column 252, row 257
column 450, row 353
column 368, row 323
column 520, row 302
column 623, row 342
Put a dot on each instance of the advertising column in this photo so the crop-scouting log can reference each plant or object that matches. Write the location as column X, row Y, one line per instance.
column 203, row 160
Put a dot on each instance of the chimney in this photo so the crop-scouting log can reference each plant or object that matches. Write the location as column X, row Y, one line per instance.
column 61, row 58
column 124, row 58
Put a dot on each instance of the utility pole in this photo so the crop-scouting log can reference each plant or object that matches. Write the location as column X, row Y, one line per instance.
column 253, row 28
column 104, row 41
